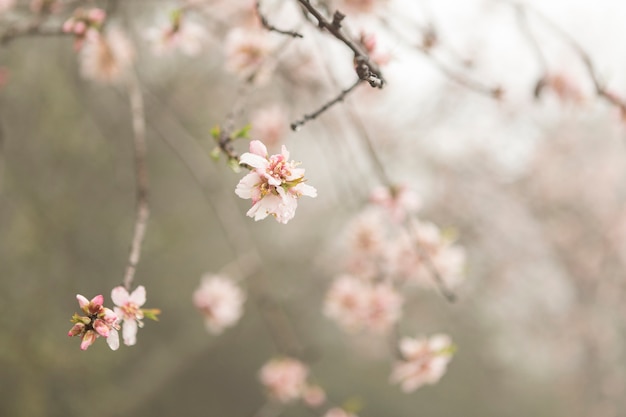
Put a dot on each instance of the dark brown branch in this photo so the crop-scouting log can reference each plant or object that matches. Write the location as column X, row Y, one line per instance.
column 267, row 25
column 366, row 69
column 141, row 179
column 295, row 126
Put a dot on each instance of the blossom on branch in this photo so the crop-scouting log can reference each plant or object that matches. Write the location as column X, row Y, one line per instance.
column 220, row 301
column 274, row 185
column 128, row 309
column 284, row 379
column 97, row 321
column 106, row 57
column 424, row 361
column 179, row 34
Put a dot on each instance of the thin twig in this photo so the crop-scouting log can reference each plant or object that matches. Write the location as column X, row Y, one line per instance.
column 599, row 86
column 141, row 178
column 311, row 116
column 430, row 265
column 267, row 25
column 366, row 69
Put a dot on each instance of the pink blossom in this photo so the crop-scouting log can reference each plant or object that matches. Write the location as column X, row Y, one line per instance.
column 338, row 412
column 246, row 50
column 313, row 395
column 220, row 301
column 284, row 379
column 370, row 43
column 270, row 125
column 6, row 5
column 275, row 184
column 97, row 321
column 84, row 22
column 128, row 309
column 398, row 201
column 106, row 57
column 424, row 361
column 186, row 36
column 356, row 304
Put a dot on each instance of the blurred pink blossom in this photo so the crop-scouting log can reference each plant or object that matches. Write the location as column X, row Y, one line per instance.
column 106, row 57
column 186, row 36
column 424, row 361
column 284, row 379
column 246, row 50
column 338, row 412
column 220, row 301
column 6, row 5
column 357, row 304
column 269, row 125
column 399, row 201
column 275, row 184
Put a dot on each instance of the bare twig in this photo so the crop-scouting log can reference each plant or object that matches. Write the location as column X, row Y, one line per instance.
column 267, row 25
column 600, row 88
column 141, row 178
column 311, row 116
column 366, row 69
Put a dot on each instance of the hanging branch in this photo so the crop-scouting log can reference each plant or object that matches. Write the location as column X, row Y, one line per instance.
column 267, row 25
column 599, row 87
column 141, row 178
column 366, row 69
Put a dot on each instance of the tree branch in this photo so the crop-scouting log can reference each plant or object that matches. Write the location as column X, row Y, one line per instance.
column 267, row 25
column 141, row 178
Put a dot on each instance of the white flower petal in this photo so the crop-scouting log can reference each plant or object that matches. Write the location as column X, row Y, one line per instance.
column 257, row 147
column 129, row 330
column 253, row 160
column 119, row 295
column 113, row 340
column 138, row 296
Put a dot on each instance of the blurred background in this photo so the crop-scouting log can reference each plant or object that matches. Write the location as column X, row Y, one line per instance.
column 511, row 148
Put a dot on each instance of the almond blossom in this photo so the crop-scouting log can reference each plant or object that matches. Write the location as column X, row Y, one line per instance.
column 424, row 361
column 270, row 125
column 338, row 412
column 184, row 35
column 398, row 201
column 220, row 301
column 246, row 50
column 275, row 184
column 357, row 304
column 128, row 309
column 97, row 321
column 284, row 379
column 83, row 23
column 106, row 57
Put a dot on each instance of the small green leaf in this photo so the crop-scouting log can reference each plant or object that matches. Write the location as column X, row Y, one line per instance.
column 215, row 132
column 151, row 313
column 243, row 133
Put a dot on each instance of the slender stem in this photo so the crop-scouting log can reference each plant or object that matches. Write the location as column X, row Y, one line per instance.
column 141, row 178
column 311, row 116
column 267, row 25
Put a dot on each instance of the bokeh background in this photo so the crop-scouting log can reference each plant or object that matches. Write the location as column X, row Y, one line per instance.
column 533, row 187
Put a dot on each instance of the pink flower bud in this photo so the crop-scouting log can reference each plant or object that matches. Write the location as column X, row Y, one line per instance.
column 88, row 339
column 101, row 327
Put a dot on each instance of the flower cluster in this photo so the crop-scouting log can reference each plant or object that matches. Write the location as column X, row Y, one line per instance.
column 388, row 248
column 101, row 321
column 179, row 34
column 106, row 57
column 424, row 361
column 84, row 22
column 97, row 321
column 220, row 301
column 275, row 184
column 357, row 304
column 285, row 380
